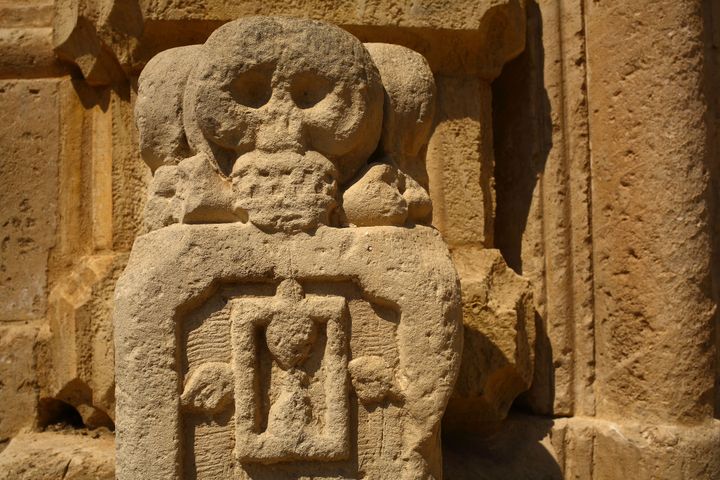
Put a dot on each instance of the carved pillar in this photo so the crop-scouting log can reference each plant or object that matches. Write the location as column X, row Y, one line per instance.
column 290, row 313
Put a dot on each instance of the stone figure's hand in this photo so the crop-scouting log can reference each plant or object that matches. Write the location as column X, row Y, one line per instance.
column 383, row 195
column 373, row 379
column 209, row 388
column 207, row 196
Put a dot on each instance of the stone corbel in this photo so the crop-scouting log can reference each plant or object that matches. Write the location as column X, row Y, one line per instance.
column 96, row 35
column 110, row 40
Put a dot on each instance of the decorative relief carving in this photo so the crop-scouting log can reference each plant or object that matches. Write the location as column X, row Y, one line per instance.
column 251, row 127
column 280, row 318
column 291, row 328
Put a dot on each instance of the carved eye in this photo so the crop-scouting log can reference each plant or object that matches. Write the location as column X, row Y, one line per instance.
column 252, row 88
column 309, row 89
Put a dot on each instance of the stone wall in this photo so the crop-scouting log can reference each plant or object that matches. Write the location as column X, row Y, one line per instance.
column 578, row 138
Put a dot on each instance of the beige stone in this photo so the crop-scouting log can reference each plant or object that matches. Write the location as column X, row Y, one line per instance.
column 77, row 347
column 499, row 340
column 585, row 448
column 424, row 378
column 304, row 346
column 409, row 107
column 653, row 292
column 460, row 163
column 109, row 39
column 27, row 52
column 29, row 201
column 589, row 162
column 26, row 13
column 55, row 455
column 543, row 221
column 18, row 387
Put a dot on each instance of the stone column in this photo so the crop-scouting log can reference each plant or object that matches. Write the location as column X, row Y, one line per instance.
column 651, row 225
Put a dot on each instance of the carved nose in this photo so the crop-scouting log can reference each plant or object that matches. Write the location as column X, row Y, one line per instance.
column 281, row 133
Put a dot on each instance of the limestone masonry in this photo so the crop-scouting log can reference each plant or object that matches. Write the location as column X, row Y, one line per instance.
column 345, row 239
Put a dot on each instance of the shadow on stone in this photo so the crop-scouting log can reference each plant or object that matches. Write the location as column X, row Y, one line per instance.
column 519, row 449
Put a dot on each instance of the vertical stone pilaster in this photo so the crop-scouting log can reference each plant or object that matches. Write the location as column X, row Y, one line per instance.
column 460, row 162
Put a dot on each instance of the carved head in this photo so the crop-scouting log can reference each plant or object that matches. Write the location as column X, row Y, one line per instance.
column 281, row 84
column 281, row 110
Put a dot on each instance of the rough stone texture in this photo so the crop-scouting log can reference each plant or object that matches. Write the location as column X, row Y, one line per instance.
column 77, row 344
column 27, row 52
column 460, row 163
column 55, row 455
column 302, row 347
column 543, row 220
column 409, row 108
column 111, row 38
column 28, row 215
column 653, row 290
column 600, row 138
column 585, row 448
column 18, row 387
column 70, row 189
column 499, row 340
column 26, row 13
column 26, row 40
column 425, row 364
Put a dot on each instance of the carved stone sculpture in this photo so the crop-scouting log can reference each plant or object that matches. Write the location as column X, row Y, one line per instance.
column 289, row 314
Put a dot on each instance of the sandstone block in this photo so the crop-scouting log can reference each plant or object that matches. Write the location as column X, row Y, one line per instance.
column 18, row 383
column 77, row 345
column 27, row 52
column 499, row 346
column 343, row 323
column 109, row 39
column 28, row 202
column 585, row 448
column 656, row 305
column 54, row 455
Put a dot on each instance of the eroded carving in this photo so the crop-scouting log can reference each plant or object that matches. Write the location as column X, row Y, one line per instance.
column 293, row 326
column 249, row 126
column 297, row 425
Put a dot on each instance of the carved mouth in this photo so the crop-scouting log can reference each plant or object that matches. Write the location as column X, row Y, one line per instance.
column 285, row 191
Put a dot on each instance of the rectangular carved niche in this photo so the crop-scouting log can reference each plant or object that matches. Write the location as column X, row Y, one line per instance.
column 266, row 384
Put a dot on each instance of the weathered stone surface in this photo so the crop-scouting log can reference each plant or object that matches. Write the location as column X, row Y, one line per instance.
column 55, row 455
column 26, row 47
column 18, row 387
column 195, row 255
column 27, row 52
column 653, row 294
column 303, row 348
column 378, row 197
column 585, row 448
column 108, row 39
column 159, row 107
column 499, row 339
column 460, row 163
column 77, row 347
column 590, row 163
column 26, row 13
column 28, row 201
column 543, row 221
column 79, row 30
column 409, row 107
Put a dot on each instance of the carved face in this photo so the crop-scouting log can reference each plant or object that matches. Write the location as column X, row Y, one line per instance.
column 284, row 85
column 272, row 117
